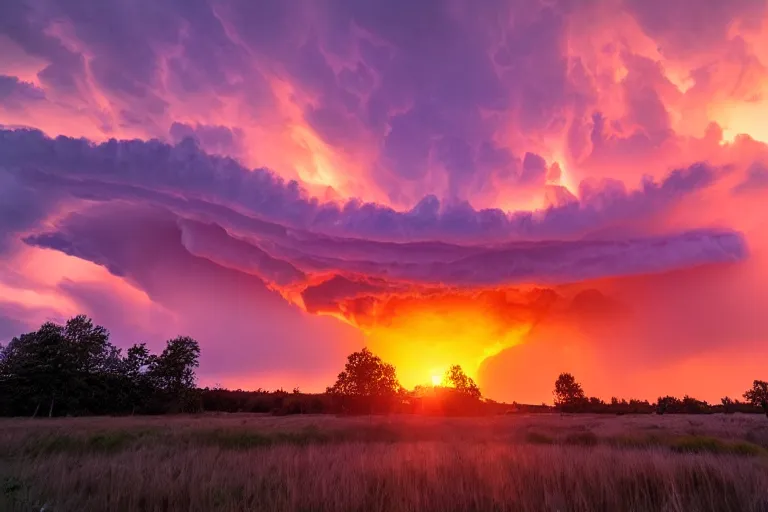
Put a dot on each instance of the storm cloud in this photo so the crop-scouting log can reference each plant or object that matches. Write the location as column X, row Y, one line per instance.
column 240, row 170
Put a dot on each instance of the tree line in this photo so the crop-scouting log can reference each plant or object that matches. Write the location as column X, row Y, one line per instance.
column 570, row 397
column 73, row 369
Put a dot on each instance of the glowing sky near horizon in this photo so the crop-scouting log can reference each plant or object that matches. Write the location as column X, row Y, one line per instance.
column 519, row 187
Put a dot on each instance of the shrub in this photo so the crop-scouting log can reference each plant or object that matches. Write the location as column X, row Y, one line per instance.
column 538, row 438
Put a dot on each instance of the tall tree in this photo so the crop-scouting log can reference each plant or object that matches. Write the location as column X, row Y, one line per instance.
column 365, row 374
column 19, row 389
column 456, row 378
column 139, row 383
column 758, row 395
column 174, row 369
column 41, row 366
column 89, row 344
column 97, row 381
column 568, row 392
column 138, row 361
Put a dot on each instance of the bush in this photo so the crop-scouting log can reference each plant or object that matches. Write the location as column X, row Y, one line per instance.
column 538, row 438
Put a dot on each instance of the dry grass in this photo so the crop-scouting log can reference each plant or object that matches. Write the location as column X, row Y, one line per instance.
column 325, row 463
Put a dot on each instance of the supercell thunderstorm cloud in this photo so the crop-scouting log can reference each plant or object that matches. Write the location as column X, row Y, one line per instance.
column 519, row 187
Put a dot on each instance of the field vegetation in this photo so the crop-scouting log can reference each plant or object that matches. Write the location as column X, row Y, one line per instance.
column 520, row 462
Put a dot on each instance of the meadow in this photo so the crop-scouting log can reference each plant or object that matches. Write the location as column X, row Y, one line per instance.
column 516, row 462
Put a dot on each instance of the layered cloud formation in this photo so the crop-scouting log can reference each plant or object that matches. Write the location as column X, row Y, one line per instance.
column 514, row 186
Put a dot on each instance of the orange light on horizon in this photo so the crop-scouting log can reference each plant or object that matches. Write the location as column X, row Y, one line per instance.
column 424, row 341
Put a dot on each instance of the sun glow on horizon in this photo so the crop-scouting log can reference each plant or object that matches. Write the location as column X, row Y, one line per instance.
column 428, row 338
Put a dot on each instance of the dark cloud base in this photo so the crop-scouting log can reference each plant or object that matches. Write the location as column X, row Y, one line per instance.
column 330, row 257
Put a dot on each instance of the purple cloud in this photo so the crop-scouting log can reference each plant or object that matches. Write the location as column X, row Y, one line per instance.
column 14, row 92
column 450, row 111
column 218, row 140
column 131, row 169
column 144, row 246
column 682, row 34
column 10, row 327
column 253, row 222
column 371, row 75
column 756, row 179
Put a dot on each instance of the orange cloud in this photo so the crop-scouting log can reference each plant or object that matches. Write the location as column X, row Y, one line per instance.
column 418, row 155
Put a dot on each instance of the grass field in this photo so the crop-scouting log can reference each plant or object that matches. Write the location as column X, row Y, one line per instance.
column 324, row 463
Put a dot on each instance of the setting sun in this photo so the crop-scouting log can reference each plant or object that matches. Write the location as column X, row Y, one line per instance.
column 442, row 331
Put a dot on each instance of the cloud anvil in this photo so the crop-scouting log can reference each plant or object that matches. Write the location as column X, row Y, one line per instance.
column 497, row 182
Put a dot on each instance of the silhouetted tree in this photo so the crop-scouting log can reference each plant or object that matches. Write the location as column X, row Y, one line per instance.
column 74, row 369
column 138, row 361
column 96, row 378
column 758, row 395
column 637, row 406
column 727, row 405
column 139, row 381
column 456, row 378
column 173, row 372
column 90, row 347
column 365, row 374
column 691, row 405
column 669, row 404
column 568, row 392
column 174, row 369
column 366, row 384
column 41, row 367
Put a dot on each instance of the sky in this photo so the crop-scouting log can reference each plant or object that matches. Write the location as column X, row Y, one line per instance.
column 520, row 187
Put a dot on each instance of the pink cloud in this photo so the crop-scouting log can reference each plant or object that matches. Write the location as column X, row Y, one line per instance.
column 244, row 163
